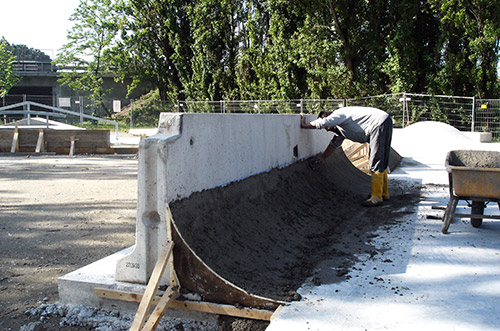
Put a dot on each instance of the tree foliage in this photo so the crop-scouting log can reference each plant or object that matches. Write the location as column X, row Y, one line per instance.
column 25, row 53
column 88, row 56
column 280, row 49
column 471, row 45
column 8, row 77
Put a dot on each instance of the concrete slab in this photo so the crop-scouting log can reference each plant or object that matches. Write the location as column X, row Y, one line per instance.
column 426, row 280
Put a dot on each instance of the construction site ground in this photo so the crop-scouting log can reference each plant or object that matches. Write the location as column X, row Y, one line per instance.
column 60, row 213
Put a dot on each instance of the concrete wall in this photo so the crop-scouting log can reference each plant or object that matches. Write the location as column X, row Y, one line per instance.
column 195, row 152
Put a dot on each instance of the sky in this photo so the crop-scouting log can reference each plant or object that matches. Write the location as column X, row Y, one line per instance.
column 37, row 24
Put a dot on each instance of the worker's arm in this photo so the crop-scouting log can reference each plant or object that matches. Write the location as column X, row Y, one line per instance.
column 316, row 163
column 328, row 151
column 304, row 124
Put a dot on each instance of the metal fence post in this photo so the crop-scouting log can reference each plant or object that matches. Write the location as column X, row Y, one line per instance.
column 473, row 122
column 29, row 115
column 404, row 109
column 131, row 113
column 80, row 101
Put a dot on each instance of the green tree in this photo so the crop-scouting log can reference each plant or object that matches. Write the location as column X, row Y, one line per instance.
column 8, row 77
column 156, row 45
column 88, row 56
column 413, row 46
column 25, row 53
column 471, row 46
column 214, row 26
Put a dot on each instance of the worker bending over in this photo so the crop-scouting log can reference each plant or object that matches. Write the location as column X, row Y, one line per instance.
column 360, row 124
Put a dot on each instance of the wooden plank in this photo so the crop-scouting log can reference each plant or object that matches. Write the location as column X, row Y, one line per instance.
column 276, row 312
column 362, row 164
column 149, row 294
column 204, row 307
column 72, row 146
column 39, row 144
column 15, row 143
column 352, row 152
column 89, row 141
column 15, row 140
column 222, row 309
column 160, row 308
column 174, row 280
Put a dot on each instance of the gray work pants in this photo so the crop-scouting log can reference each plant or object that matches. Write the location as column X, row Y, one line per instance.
column 380, row 146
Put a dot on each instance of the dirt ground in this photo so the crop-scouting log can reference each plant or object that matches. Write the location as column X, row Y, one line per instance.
column 60, row 213
column 57, row 214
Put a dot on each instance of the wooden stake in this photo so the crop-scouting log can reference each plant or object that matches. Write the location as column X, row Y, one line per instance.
column 15, row 140
column 149, row 294
column 160, row 308
column 40, row 143
column 72, row 146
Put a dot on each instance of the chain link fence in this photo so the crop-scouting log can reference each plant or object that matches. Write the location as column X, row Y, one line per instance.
column 487, row 117
column 298, row 106
column 463, row 113
column 406, row 108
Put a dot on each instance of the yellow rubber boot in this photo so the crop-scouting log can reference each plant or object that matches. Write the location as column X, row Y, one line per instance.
column 385, row 187
column 377, row 188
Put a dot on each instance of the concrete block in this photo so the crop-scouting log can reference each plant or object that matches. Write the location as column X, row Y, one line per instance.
column 482, row 137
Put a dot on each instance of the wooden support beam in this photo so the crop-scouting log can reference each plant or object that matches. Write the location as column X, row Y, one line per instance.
column 204, row 307
column 72, row 145
column 160, row 308
column 149, row 294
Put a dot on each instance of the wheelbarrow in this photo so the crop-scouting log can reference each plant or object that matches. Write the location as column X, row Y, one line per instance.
column 474, row 176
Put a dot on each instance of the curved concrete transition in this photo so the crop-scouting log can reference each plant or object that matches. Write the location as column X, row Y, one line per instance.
column 251, row 219
column 266, row 233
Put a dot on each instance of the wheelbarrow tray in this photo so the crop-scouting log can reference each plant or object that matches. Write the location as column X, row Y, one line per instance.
column 476, row 182
column 475, row 176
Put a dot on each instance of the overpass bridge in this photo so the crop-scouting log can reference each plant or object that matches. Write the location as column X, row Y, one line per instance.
column 39, row 83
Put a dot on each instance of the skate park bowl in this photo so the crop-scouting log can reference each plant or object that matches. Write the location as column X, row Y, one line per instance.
column 233, row 192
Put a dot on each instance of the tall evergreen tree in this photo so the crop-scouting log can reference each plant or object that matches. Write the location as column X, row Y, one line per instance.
column 471, row 46
column 156, row 45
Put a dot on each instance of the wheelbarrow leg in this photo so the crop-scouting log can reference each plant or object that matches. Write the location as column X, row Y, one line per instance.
column 448, row 208
column 448, row 215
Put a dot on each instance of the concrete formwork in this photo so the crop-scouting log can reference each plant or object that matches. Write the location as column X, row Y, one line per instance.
column 195, row 153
